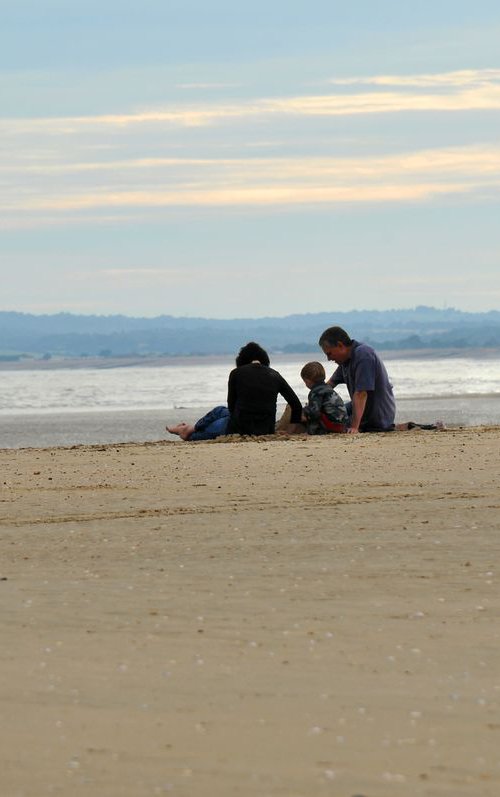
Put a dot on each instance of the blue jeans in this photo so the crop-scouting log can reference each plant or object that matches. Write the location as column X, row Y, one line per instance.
column 213, row 424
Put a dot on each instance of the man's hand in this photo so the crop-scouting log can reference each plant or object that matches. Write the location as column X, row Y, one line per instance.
column 352, row 430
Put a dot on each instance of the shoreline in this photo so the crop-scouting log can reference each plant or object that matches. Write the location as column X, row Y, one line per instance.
column 108, row 427
column 78, row 363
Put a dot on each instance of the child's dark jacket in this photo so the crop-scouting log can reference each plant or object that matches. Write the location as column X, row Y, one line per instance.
column 325, row 411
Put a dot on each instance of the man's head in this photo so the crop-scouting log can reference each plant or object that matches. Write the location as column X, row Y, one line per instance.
column 312, row 374
column 336, row 344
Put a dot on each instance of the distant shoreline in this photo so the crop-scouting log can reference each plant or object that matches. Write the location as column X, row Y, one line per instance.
column 76, row 363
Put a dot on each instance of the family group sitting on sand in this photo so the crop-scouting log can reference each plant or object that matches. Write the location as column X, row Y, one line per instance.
column 253, row 388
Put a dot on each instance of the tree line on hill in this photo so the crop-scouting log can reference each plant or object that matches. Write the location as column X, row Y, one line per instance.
column 68, row 335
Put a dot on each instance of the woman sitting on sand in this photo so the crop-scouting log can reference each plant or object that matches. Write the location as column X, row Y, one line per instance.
column 253, row 388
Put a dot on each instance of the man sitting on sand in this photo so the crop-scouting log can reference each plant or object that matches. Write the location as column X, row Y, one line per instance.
column 372, row 407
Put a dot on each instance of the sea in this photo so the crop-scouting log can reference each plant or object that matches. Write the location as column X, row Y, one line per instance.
column 76, row 406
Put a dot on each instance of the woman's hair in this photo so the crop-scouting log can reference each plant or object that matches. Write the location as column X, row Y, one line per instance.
column 314, row 372
column 252, row 351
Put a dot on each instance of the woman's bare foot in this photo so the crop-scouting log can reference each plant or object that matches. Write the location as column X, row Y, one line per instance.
column 184, row 430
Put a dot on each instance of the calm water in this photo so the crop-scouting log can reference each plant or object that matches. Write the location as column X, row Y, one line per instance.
column 172, row 386
column 67, row 407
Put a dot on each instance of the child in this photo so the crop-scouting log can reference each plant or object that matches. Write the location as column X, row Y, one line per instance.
column 325, row 411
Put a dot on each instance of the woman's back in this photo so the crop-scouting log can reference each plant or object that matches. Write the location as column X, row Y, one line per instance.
column 252, row 393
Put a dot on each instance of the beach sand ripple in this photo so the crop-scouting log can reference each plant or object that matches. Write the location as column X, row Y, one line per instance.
column 303, row 616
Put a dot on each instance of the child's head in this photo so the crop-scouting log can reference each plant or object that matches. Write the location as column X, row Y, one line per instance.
column 312, row 373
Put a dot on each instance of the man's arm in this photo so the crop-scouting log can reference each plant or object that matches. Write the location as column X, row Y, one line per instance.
column 359, row 399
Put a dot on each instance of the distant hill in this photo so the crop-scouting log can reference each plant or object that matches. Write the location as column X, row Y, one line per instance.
column 70, row 335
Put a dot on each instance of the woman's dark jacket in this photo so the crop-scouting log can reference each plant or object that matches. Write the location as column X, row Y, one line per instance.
column 251, row 399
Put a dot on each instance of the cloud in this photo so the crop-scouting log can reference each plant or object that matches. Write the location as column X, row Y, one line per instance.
column 139, row 272
column 469, row 161
column 137, row 277
column 459, row 78
column 241, row 196
column 461, row 286
column 51, row 178
column 459, row 91
column 480, row 98
column 102, row 166
column 144, row 183
column 207, row 86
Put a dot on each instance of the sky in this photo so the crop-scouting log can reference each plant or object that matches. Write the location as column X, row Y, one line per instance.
column 217, row 159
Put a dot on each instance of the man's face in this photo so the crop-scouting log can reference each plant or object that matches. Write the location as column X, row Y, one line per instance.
column 338, row 353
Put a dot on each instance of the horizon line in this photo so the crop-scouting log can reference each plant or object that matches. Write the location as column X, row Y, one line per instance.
column 351, row 311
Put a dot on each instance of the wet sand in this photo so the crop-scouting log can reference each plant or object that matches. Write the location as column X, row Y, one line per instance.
column 36, row 430
column 276, row 617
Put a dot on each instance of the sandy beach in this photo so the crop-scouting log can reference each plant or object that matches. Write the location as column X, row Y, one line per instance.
column 266, row 618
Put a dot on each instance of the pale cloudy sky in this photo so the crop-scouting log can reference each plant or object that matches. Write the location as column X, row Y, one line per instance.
column 212, row 158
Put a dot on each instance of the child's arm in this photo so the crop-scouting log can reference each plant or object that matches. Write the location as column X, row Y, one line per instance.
column 313, row 409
